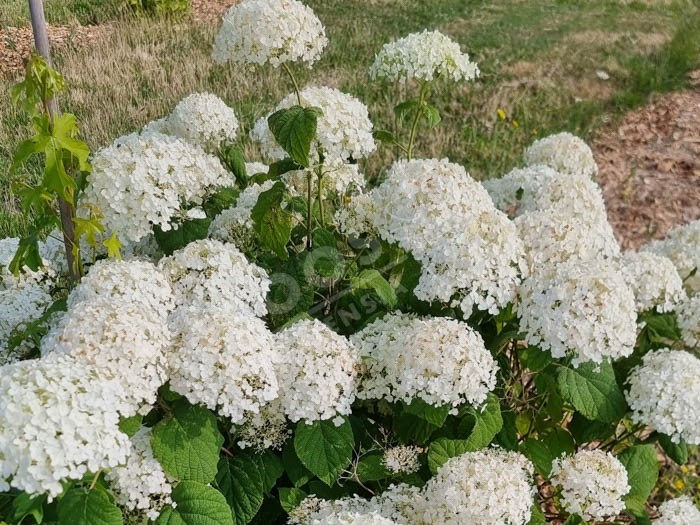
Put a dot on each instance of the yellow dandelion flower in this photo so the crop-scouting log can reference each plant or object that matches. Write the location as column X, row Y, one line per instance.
column 501, row 114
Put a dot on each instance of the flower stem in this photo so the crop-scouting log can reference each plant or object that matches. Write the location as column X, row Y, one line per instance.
column 319, row 174
column 294, row 81
column 419, row 112
column 309, row 205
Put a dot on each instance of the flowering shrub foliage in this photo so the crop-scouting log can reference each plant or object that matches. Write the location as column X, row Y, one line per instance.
column 284, row 343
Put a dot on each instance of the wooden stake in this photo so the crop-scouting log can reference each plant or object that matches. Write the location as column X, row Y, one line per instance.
column 41, row 41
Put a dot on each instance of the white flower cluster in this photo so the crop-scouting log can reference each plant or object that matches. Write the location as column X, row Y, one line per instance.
column 516, row 191
column 117, row 323
column 585, row 310
column 58, row 421
column 269, row 31
column 355, row 217
column 318, row 372
column 344, row 130
column 224, row 360
column 467, row 248
column 664, row 393
column 218, row 274
column 439, row 360
column 402, row 459
column 653, row 280
column 565, row 153
column 338, row 179
column 264, row 430
column 678, row 511
column 593, row 484
column 142, row 180
column 353, row 518
column 688, row 314
column 488, row 487
column 141, row 484
column 202, row 119
column 423, row 56
column 682, row 246
column 234, row 224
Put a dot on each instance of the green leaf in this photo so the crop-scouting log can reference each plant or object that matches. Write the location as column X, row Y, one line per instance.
column 130, row 425
column 324, row 448
column 197, row 504
column 65, row 129
column 83, row 507
column 234, row 160
column 678, row 452
column 405, row 109
column 574, row 519
column 219, row 201
column 432, row 115
column 642, row 473
column 371, row 468
column 113, row 246
column 537, row 517
column 295, row 129
column 412, row 429
column 25, row 505
column 373, row 280
column 271, row 222
column 434, row 415
column 661, row 326
column 187, row 232
column 593, row 391
column 584, row 430
column 384, row 136
column 279, row 168
column 271, row 469
column 535, row 359
column 240, row 480
column 187, row 444
column 488, row 423
column 26, row 149
column 290, row 498
column 296, row 471
column 539, row 454
column 27, row 255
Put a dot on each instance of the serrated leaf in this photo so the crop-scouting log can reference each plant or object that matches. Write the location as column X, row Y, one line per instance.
column 197, row 504
column 271, row 222
column 295, row 129
column 373, row 280
column 189, row 231
column 593, row 391
column 290, row 498
column 324, row 449
column 488, row 422
column 296, row 471
column 678, row 452
column 272, row 469
column 642, row 473
column 371, row 468
column 114, row 247
column 187, row 444
column 539, row 454
column 83, row 507
column 234, row 160
column 240, row 480
column 220, row 200
column 433, row 415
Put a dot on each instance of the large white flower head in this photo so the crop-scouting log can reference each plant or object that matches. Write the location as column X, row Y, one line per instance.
column 344, row 130
column 141, row 485
column 583, row 310
column 564, row 152
column 58, row 421
column 123, row 341
column 653, row 280
column 682, row 246
column 515, row 192
column 439, row 360
column 553, row 236
column 688, row 314
column 593, row 484
column 203, row 119
column 141, row 181
column 348, row 517
column 317, row 372
column 132, row 281
column 223, row 360
column 489, row 487
column 218, row 273
column 355, row 217
column 269, row 31
column 467, row 248
column 664, row 393
column 678, row 511
column 423, row 56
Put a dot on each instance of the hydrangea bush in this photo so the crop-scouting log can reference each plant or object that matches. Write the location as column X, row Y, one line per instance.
column 284, row 343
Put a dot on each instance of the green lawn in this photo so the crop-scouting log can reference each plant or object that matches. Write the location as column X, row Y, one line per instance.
column 538, row 59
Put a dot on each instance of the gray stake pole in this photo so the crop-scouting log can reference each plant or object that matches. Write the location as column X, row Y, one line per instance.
column 41, row 41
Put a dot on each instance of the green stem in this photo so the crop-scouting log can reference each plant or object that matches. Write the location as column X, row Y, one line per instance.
column 309, row 205
column 414, row 127
column 294, row 81
column 319, row 174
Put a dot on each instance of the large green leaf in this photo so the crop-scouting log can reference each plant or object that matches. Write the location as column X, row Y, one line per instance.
column 188, row 442
column 433, row 415
column 88, row 507
column 324, row 448
column 197, row 504
column 240, row 480
column 271, row 221
column 678, row 452
column 593, row 391
column 295, row 129
column 290, row 498
column 488, row 423
column 642, row 473
column 371, row 468
column 373, row 280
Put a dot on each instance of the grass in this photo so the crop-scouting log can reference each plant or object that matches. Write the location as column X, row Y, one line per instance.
column 15, row 13
column 538, row 60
